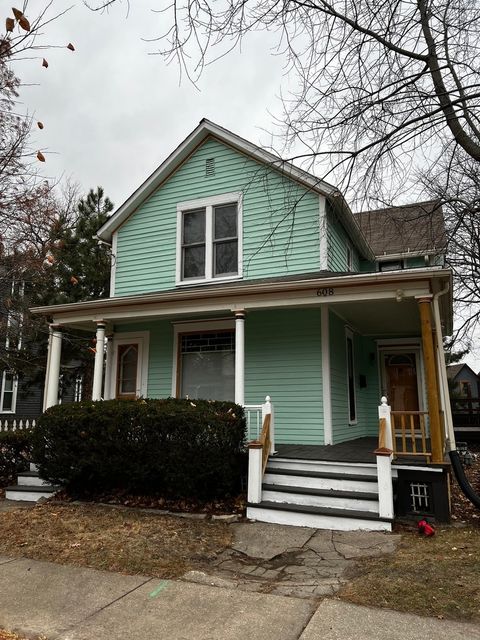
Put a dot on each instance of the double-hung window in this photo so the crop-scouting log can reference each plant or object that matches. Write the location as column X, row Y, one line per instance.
column 8, row 392
column 209, row 239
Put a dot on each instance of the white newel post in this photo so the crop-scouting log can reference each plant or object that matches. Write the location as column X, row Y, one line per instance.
column 384, row 456
column 240, row 357
column 98, row 366
column 53, row 366
column 267, row 408
column 255, row 472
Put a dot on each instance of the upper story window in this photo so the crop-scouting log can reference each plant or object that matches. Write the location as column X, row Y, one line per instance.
column 391, row 265
column 209, row 239
column 13, row 335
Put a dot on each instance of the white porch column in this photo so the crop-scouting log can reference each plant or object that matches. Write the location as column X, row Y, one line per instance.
column 53, row 366
column 108, row 368
column 240, row 357
column 98, row 366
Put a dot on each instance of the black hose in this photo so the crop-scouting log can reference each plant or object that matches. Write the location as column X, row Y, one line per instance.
column 462, row 480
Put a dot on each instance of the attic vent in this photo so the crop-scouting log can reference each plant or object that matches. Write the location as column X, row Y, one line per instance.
column 210, row 167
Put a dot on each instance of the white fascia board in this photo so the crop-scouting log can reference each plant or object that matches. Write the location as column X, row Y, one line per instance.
column 198, row 135
column 414, row 278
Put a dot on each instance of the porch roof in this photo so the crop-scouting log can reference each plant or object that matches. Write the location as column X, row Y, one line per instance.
column 304, row 290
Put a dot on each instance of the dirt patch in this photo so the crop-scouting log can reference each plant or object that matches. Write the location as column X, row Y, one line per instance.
column 126, row 541
column 438, row 576
column 8, row 635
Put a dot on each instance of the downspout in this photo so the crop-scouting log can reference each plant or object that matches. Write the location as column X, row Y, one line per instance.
column 442, row 370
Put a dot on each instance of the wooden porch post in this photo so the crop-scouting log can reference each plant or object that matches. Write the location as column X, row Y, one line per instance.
column 424, row 305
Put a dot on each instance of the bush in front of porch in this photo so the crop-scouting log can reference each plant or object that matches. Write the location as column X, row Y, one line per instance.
column 176, row 448
column 15, row 454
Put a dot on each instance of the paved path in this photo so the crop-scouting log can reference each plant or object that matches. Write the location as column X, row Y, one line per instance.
column 69, row 603
column 293, row 561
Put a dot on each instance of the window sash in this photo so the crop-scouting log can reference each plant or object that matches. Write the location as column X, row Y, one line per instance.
column 351, row 391
column 8, row 392
column 212, row 244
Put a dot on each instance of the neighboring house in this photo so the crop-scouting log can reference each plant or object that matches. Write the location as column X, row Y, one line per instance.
column 234, row 276
column 21, row 393
column 464, row 386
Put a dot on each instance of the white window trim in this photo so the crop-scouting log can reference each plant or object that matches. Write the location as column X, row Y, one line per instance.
column 349, row 336
column 15, row 390
column 142, row 339
column 349, row 254
column 208, row 204
column 113, row 263
column 193, row 327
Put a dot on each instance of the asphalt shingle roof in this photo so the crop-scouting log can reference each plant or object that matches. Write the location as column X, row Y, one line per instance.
column 408, row 228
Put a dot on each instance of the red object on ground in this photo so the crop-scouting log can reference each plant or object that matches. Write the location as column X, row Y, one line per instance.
column 425, row 528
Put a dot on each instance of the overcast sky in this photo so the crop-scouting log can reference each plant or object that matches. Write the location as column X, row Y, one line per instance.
column 112, row 112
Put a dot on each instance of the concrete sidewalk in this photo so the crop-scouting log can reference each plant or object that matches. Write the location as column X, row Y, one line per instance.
column 72, row 603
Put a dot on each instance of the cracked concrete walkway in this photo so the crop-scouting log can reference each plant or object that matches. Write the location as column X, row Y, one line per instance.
column 291, row 561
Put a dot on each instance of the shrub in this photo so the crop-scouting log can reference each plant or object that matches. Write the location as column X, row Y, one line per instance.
column 178, row 448
column 15, row 453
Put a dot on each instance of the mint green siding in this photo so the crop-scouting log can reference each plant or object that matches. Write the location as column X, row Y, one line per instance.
column 367, row 398
column 280, row 221
column 283, row 358
column 338, row 241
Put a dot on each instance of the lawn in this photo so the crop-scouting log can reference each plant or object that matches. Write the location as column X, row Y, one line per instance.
column 438, row 576
column 123, row 540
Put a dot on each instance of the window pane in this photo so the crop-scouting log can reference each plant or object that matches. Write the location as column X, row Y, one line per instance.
column 226, row 257
column 127, row 370
column 351, row 382
column 225, row 225
column 209, row 375
column 8, row 382
column 194, row 262
column 7, row 401
column 194, row 226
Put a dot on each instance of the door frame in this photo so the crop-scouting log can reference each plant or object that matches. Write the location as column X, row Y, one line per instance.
column 142, row 340
column 403, row 345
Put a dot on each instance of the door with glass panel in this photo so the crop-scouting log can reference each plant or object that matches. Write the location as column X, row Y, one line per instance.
column 206, row 365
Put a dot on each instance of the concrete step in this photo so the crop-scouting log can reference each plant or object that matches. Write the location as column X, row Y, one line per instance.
column 29, row 493
column 304, row 496
column 30, row 479
column 321, row 480
column 317, row 517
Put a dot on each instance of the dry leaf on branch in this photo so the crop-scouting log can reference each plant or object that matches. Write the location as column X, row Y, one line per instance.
column 17, row 13
column 40, row 125
column 70, row 46
column 24, row 23
column 40, row 156
column 9, row 24
column 45, row 64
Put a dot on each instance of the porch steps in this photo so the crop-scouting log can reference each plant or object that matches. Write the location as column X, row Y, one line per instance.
column 30, row 487
column 322, row 495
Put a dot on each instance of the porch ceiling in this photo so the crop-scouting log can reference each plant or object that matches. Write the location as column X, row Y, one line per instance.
column 381, row 317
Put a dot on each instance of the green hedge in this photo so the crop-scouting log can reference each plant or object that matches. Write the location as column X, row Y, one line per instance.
column 177, row 448
column 15, row 453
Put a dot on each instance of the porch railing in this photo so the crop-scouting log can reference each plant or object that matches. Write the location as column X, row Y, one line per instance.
column 258, row 452
column 16, row 424
column 409, row 434
column 253, row 417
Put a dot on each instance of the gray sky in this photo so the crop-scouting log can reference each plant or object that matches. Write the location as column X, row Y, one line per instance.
column 112, row 112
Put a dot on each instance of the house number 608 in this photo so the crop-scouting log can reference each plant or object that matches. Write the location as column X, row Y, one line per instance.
column 325, row 292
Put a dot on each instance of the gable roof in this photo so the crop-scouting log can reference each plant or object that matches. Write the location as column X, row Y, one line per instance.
column 206, row 129
column 454, row 369
column 408, row 229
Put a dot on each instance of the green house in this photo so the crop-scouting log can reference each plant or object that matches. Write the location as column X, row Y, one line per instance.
column 237, row 276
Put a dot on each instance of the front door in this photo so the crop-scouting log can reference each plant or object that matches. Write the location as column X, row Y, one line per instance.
column 401, row 381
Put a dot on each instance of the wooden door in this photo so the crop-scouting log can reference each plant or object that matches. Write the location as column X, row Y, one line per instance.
column 401, row 381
